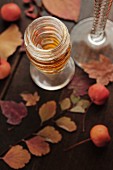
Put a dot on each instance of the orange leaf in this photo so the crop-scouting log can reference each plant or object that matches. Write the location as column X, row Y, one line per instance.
column 66, row 123
column 63, row 8
column 17, row 157
column 37, row 146
column 50, row 134
column 47, row 110
column 10, row 39
column 101, row 70
column 31, row 99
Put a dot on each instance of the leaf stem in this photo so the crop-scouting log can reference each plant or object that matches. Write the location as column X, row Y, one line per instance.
column 77, row 144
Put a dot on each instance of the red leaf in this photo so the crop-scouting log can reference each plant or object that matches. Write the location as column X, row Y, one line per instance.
column 13, row 111
column 66, row 9
column 37, row 146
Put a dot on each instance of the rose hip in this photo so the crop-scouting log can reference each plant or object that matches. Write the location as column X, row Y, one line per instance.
column 5, row 68
column 98, row 93
column 99, row 135
column 10, row 12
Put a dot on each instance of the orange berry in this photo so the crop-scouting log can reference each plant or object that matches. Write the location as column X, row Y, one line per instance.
column 98, row 93
column 10, row 12
column 99, row 135
column 5, row 68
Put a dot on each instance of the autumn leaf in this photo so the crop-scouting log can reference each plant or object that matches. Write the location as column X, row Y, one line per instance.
column 50, row 134
column 17, row 157
column 65, row 9
column 79, row 84
column 66, row 123
column 74, row 99
column 65, row 104
column 81, row 106
column 37, row 146
column 101, row 70
column 31, row 99
column 10, row 39
column 15, row 112
column 47, row 110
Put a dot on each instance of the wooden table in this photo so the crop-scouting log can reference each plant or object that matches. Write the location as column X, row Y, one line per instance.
column 83, row 157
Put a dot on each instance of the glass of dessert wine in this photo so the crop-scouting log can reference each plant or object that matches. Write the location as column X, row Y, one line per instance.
column 93, row 36
column 48, row 48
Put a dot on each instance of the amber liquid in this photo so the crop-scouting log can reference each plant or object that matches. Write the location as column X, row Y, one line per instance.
column 47, row 43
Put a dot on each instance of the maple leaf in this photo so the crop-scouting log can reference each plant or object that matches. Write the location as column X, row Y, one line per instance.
column 13, row 111
column 17, row 157
column 31, row 99
column 79, row 84
column 101, row 70
column 81, row 106
column 66, row 123
column 50, row 134
column 65, row 104
column 37, row 146
column 64, row 9
column 47, row 110
column 10, row 39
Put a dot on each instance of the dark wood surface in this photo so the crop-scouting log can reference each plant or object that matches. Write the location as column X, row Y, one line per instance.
column 83, row 157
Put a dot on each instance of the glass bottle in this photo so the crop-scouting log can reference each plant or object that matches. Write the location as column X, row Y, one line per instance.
column 48, row 48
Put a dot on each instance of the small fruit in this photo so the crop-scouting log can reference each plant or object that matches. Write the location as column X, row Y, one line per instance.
column 99, row 135
column 5, row 68
column 10, row 12
column 98, row 93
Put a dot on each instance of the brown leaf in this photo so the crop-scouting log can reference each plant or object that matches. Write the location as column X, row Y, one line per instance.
column 50, row 134
column 37, row 146
column 31, row 99
column 17, row 157
column 10, row 39
column 81, row 106
column 64, row 8
column 66, row 123
column 101, row 70
column 65, row 104
column 47, row 110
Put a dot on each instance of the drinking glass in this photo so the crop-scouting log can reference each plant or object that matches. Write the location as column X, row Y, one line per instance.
column 93, row 36
column 48, row 48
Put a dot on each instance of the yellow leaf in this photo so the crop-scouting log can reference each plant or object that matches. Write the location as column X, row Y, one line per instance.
column 66, row 123
column 47, row 110
column 50, row 134
column 17, row 157
column 37, row 146
column 65, row 104
column 31, row 99
column 10, row 39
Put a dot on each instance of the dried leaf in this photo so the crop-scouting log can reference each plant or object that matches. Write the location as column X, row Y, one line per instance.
column 66, row 123
column 74, row 99
column 13, row 111
column 10, row 39
column 30, row 12
column 17, row 157
column 37, row 146
column 47, row 110
column 50, row 134
column 64, row 8
column 81, row 106
column 65, row 104
column 31, row 99
column 80, row 84
column 101, row 70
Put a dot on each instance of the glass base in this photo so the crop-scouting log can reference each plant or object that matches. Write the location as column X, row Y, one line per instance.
column 83, row 49
column 53, row 81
